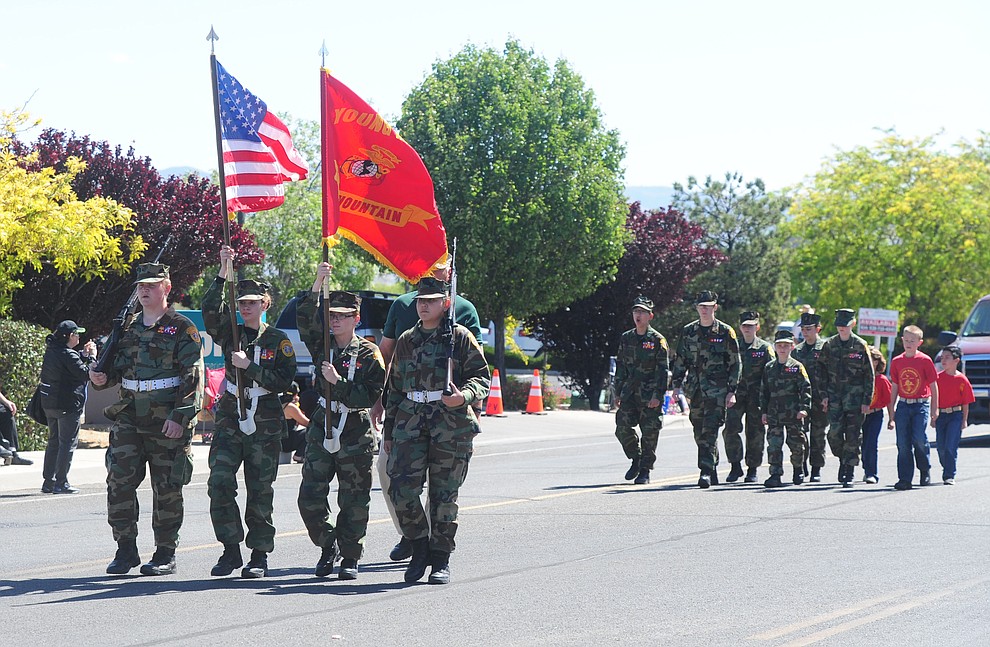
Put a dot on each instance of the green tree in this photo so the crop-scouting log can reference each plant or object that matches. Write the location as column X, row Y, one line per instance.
column 899, row 225
column 527, row 178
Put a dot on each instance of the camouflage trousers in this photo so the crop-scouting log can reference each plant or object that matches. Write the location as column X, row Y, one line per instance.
column 845, row 434
column 353, row 473
column 706, row 416
column 818, row 422
column 634, row 412
column 259, row 453
column 793, row 430
column 427, row 447
column 170, row 460
column 755, row 432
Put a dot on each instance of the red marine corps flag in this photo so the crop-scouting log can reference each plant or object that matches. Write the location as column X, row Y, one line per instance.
column 376, row 190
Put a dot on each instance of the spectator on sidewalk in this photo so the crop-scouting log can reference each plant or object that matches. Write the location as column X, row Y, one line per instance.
column 8, row 434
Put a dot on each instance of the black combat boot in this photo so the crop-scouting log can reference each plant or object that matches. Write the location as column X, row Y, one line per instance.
column 926, row 478
column 257, row 566
column 773, row 481
column 816, row 474
column 325, row 566
column 348, row 569
column 714, row 476
column 401, row 551
column 127, row 557
column 229, row 560
column 750, row 475
column 162, row 562
column 419, row 561
column 735, row 473
column 440, row 567
column 633, row 469
column 798, row 475
column 704, row 481
column 643, row 478
column 847, row 478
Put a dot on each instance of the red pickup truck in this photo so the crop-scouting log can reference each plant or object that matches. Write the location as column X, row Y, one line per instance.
column 974, row 340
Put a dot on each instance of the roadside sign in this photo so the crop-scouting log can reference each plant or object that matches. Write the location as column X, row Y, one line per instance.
column 212, row 353
column 877, row 323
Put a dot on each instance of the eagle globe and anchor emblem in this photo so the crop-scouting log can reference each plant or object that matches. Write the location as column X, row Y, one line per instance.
column 370, row 165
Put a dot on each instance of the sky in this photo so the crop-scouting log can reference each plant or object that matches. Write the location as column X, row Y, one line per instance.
column 768, row 89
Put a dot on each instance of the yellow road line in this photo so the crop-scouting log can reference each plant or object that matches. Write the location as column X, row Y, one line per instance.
column 825, row 617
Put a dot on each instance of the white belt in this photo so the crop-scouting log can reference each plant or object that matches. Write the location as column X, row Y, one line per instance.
column 151, row 385
column 335, row 406
column 424, row 396
column 249, row 392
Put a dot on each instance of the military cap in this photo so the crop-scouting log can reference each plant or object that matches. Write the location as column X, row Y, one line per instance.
column 643, row 303
column 706, row 298
column 749, row 317
column 251, row 290
column 810, row 319
column 151, row 273
column 346, row 302
column 68, row 327
column 844, row 316
column 783, row 335
column 430, row 288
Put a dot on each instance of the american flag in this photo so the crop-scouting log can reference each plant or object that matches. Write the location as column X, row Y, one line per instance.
column 258, row 155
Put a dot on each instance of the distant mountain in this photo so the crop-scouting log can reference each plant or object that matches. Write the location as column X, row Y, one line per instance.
column 650, row 197
column 183, row 171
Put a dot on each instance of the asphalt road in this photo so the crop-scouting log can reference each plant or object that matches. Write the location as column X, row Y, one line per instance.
column 553, row 549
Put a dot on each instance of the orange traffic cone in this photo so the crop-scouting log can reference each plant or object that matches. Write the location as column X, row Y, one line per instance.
column 494, row 406
column 535, row 402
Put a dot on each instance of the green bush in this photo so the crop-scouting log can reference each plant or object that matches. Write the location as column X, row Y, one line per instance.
column 515, row 393
column 22, row 347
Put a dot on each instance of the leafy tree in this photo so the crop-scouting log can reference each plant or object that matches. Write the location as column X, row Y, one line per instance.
column 187, row 209
column 527, row 178
column 660, row 258
column 44, row 223
column 899, row 225
column 741, row 220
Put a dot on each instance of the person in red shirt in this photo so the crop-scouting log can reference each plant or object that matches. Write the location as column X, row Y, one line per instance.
column 913, row 381
column 955, row 394
column 873, row 422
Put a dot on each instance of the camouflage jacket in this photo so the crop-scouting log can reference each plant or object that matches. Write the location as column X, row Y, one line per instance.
column 358, row 394
column 273, row 363
column 420, row 364
column 810, row 356
column 170, row 347
column 785, row 391
column 847, row 373
column 707, row 361
column 755, row 358
column 641, row 365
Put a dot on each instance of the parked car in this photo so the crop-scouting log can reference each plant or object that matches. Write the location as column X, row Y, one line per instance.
column 974, row 340
column 374, row 311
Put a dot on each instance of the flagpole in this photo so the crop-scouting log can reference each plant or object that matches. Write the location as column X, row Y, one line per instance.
column 231, row 293
column 328, row 426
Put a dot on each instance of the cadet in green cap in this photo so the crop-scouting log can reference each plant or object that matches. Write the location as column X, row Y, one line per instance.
column 355, row 372
column 641, row 365
column 707, row 365
column 847, row 370
column 755, row 354
column 268, row 365
column 159, row 366
column 785, row 397
column 809, row 352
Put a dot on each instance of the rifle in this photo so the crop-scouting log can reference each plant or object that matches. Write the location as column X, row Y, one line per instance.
column 451, row 319
column 110, row 346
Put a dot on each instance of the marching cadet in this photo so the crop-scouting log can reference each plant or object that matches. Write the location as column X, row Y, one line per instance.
column 355, row 374
column 640, row 386
column 809, row 354
column 847, row 372
column 707, row 365
column 159, row 366
column 437, row 372
column 785, row 398
column 755, row 354
column 268, row 365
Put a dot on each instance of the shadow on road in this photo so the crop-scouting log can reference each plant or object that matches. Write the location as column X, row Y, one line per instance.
column 581, row 487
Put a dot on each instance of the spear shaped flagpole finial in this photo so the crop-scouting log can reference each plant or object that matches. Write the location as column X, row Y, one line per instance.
column 323, row 53
column 212, row 37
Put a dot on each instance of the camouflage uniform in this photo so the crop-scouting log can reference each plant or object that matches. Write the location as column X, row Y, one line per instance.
column 848, row 381
column 786, row 390
column 755, row 358
column 810, row 356
column 169, row 348
column 707, row 365
column 351, row 464
column 641, row 366
column 273, row 367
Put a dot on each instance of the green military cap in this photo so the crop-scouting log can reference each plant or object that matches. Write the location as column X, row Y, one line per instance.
column 783, row 336
column 810, row 319
column 749, row 317
column 643, row 303
column 342, row 301
column 430, row 288
column 151, row 273
column 706, row 298
column 251, row 290
column 844, row 316
column 68, row 327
